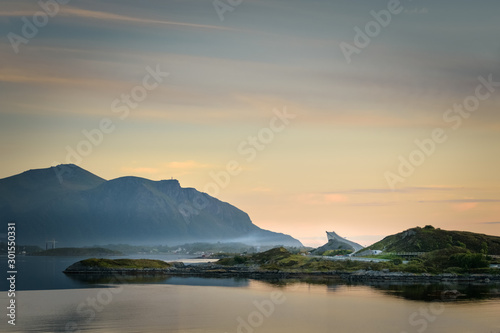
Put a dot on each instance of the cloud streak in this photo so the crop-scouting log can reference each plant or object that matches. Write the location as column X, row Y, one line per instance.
column 104, row 16
column 187, row 165
column 73, row 11
column 460, row 201
column 401, row 190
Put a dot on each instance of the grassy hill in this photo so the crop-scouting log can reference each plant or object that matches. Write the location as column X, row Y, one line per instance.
column 123, row 263
column 429, row 239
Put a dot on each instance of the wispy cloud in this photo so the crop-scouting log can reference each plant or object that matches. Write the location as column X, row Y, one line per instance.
column 73, row 11
column 99, row 15
column 463, row 206
column 334, row 197
column 15, row 13
column 459, row 201
column 338, row 199
column 460, row 205
column 401, row 190
column 372, row 204
column 321, row 198
column 488, row 222
column 42, row 79
column 187, row 165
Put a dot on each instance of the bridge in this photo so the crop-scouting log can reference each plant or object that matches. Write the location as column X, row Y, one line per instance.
column 408, row 254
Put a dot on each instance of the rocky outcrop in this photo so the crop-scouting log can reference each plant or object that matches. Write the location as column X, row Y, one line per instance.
column 335, row 242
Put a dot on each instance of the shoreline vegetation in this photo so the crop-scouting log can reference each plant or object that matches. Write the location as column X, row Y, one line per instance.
column 453, row 265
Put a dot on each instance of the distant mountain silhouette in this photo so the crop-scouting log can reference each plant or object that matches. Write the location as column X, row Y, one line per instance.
column 76, row 207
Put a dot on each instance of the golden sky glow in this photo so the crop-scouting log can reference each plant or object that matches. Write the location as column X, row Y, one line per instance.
column 232, row 84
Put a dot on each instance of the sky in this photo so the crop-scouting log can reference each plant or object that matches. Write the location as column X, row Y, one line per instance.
column 361, row 117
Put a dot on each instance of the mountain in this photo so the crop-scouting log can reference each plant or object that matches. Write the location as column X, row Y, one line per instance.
column 430, row 239
column 336, row 242
column 78, row 208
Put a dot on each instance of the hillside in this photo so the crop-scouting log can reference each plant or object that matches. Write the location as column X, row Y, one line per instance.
column 77, row 208
column 430, row 239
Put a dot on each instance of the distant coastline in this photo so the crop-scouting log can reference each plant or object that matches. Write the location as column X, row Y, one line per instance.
column 76, row 251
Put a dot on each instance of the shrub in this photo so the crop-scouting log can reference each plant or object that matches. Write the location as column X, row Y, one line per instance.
column 468, row 260
column 415, row 266
column 397, row 261
column 332, row 253
column 240, row 260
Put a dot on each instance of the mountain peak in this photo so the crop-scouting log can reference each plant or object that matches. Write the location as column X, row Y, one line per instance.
column 61, row 176
column 76, row 207
column 170, row 182
column 73, row 175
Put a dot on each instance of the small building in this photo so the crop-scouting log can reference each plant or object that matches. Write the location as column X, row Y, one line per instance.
column 368, row 253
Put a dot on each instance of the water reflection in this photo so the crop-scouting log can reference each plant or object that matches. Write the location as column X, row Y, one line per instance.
column 103, row 280
column 444, row 292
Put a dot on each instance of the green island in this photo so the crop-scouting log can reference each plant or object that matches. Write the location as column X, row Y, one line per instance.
column 125, row 263
column 279, row 263
column 417, row 254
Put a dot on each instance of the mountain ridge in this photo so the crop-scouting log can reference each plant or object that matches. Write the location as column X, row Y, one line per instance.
column 76, row 207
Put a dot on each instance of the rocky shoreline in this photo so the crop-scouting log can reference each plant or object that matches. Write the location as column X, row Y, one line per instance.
column 254, row 272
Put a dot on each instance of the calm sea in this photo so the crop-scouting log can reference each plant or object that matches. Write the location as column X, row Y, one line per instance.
column 49, row 301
